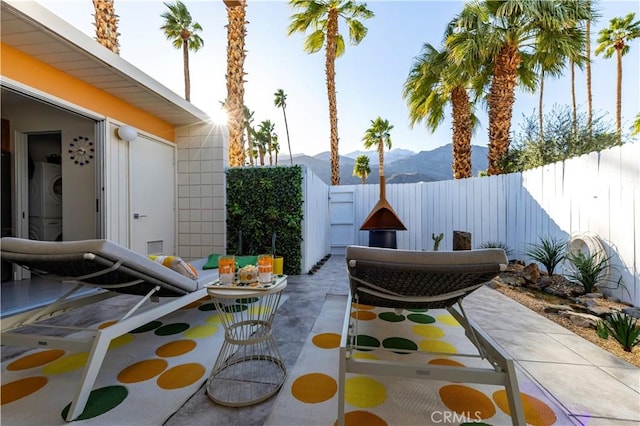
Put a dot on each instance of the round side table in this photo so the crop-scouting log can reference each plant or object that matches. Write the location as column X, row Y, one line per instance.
column 249, row 368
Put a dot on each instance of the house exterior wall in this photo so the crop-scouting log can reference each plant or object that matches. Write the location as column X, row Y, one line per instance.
column 22, row 68
column 202, row 161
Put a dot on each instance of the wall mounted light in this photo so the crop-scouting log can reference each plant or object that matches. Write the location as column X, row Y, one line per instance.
column 127, row 133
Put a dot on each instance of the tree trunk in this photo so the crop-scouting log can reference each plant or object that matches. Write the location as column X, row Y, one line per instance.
column 187, row 80
column 286, row 127
column 235, row 81
column 619, row 95
column 461, row 111
column 106, row 23
column 381, row 157
column 574, row 109
column 332, row 34
column 540, row 119
column 588, row 71
column 501, row 99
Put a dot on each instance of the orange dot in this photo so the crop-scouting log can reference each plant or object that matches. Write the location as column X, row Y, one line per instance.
column 177, row 348
column 181, row 376
column 363, row 315
column 142, row 370
column 106, row 324
column 444, row 361
column 359, row 306
column 467, row 401
column 13, row 391
column 313, row 388
column 35, row 360
column 326, row 340
column 536, row 412
column 359, row 417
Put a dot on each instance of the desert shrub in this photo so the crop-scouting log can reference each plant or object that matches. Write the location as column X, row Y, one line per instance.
column 624, row 328
column 549, row 252
column 497, row 244
column 587, row 270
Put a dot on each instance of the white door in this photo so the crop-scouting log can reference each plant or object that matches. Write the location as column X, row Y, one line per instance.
column 342, row 215
column 152, row 196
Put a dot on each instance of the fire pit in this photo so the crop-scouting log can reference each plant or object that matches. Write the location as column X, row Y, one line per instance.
column 383, row 222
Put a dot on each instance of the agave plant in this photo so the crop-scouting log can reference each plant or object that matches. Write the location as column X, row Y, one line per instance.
column 588, row 270
column 497, row 244
column 549, row 252
column 624, row 328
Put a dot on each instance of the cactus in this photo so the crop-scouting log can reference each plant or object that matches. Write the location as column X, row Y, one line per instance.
column 436, row 240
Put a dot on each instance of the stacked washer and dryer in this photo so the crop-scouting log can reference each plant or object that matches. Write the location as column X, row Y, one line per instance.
column 45, row 202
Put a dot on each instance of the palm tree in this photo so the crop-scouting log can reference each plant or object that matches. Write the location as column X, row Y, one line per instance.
column 506, row 31
column 323, row 16
column 361, row 168
column 433, row 82
column 635, row 130
column 248, row 120
column 266, row 131
column 236, row 31
column 378, row 134
column 106, row 23
column 275, row 146
column 281, row 102
column 181, row 30
column 615, row 39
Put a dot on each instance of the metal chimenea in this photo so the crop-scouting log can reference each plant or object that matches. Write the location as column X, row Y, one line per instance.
column 383, row 222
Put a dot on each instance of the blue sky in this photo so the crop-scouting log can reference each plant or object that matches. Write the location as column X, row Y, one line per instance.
column 369, row 76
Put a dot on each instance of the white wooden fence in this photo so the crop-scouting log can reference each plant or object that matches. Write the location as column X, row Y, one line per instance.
column 598, row 192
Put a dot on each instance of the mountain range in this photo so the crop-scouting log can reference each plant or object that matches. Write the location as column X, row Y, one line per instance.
column 400, row 165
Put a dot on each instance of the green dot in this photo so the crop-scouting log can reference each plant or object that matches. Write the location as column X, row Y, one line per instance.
column 421, row 319
column 100, row 401
column 391, row 317
column 147, row 327
column 247, row 300
column 364, row 340
column 235, row 308
column 207, row 307
column 399, row 343
column 417, row 310
column 169, row 329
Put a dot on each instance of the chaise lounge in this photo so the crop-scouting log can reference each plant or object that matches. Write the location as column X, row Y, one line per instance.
column 403, row 279
column 111, row 270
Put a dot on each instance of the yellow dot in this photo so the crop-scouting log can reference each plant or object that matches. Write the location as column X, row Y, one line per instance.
column 258, row 310
column 180, row 376
column 365, row 355
column 448, row 362
column 326, row 340
column 430, row 331
column 217, row 318
column 119, row 341
column 35, row 360
column 65, row 364
column 364, row 315
column 143, row 370
column 467, row 401
column 359, row 417
column 364, row 392
column 536, row 412
column 177, row 348
column 447, row 319
column 437, row 346
column 13, row 391
column 313, row 388
column 201, row 331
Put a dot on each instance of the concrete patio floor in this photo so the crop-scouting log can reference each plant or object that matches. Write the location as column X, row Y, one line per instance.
column 589, row 384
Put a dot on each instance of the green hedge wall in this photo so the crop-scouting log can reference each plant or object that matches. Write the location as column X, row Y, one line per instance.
column 262, row 201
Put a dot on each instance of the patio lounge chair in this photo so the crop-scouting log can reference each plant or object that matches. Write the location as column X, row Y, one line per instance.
column 109, row 268
column 402, row 279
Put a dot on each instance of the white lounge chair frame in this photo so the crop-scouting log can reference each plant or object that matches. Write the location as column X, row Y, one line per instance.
column 428, row 280
column 100, row 264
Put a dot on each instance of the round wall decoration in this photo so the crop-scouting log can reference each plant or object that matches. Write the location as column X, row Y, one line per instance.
column 81, row 150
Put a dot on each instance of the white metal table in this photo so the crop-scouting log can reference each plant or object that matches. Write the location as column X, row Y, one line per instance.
column 249, row 368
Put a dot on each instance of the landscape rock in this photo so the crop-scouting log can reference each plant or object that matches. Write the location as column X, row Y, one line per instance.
column 593, row 295
column 633, row 311
column 531, row 273
column 601, row 311
column 554, row 309
column 545, row 281
column 581, row 319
